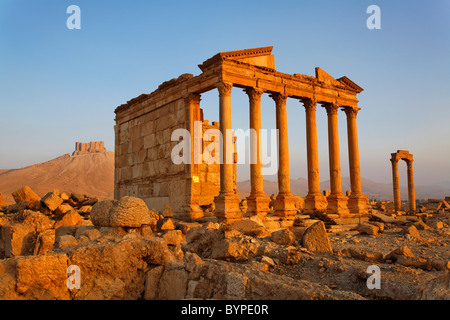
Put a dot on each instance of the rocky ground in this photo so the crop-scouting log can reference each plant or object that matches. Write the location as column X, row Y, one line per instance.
column 124, row 250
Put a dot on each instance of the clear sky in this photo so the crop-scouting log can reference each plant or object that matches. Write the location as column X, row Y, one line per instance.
column 59, row 86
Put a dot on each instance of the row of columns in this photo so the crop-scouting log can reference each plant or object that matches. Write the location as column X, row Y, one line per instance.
column 227, row 201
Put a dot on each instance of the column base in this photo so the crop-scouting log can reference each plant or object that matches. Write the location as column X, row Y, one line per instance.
column 227, row 207
column 348, row 219
column 358, row 204
column 315, row 202
column 337, row 204
column 258, row 204
column 284, row 205
column 192, row 212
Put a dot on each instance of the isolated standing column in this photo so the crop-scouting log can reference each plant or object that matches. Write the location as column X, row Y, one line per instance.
column 411, row 190
column 396, row 184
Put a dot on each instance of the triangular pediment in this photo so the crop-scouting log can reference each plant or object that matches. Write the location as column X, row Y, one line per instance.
column 349, row 83
column 322, row 76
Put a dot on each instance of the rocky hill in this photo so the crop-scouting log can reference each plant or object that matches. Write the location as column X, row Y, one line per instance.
column 84, row 172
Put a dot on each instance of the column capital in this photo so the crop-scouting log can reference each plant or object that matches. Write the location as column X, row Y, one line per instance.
column 224, row 88
column 309, row 103
column 279, row 97
column 409, row 162
column 351, row 112
column 254, row 93
column 394, row 161
column 331, row 107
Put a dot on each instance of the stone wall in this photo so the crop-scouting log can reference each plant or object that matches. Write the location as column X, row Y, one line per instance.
column 143, row 157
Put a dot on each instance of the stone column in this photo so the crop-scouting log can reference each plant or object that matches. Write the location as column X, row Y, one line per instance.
column 257, row 201
column 314, row 200
column 396, row 183
column 284, row 203
column 357, row 202
column 411, row 190
column 227, row 202
column 337, row 202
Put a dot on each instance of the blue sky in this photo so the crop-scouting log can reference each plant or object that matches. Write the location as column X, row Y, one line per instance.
column 59, row 86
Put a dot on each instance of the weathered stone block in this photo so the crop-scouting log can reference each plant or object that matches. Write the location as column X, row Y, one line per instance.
column 19, row 239
column 129, row 212
column 173, row 284
column 367, row 228
column 150, row 141
column 283, row 237
column 43, row 277
column 315, row 239
column 45, row 242
column 25, row 194
column 71, row 218
column 152, row 282
column 148, row 128
column 52, row 201
column 100, row 213
column 65, row 241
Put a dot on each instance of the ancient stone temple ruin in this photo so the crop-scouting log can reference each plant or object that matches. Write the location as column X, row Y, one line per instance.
column 144, row 127
column 408, row 158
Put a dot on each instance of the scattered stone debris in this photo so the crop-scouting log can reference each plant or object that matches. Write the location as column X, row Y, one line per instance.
column 127, row 251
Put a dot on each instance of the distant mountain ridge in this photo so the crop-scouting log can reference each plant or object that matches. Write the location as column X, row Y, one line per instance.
column 372, row 189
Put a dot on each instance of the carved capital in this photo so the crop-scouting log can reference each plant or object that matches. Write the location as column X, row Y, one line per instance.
column 409, row 163
column 279, row 98
column 225, row 88
column 254, row 94
column 309, row 104
column 332, row 108
column 394, row 161
column 351, row 112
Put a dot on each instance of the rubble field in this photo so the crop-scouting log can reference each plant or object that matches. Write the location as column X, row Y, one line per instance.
column 125, row 250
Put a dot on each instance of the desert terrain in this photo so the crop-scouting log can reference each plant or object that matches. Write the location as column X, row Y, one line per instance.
column 125, row 250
